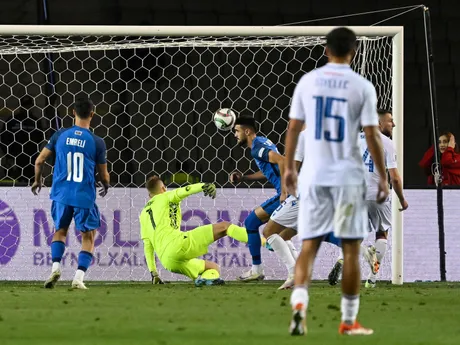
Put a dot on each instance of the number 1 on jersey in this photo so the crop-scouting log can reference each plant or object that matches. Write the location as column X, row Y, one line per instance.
column 75, row 166
column 326, row 110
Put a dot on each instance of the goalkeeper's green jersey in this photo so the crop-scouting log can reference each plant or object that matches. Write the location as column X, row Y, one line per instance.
column 161, row 217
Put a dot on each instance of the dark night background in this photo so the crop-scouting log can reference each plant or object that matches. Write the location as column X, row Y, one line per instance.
column 154, row 103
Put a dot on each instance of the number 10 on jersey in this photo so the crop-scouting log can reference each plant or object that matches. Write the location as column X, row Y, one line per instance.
column 324, row 107
column 75, row 166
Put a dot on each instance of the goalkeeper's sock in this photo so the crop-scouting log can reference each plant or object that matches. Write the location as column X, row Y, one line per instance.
column 84, row 261
column 210, row 274
column 281, row 249
column 238, row 233
column 57, row 251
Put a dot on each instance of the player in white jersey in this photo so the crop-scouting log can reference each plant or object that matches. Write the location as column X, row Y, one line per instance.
column 380, row 214
column 282, row 225
column 334, row 102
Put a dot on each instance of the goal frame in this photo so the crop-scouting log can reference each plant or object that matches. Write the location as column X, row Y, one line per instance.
column 397, row 32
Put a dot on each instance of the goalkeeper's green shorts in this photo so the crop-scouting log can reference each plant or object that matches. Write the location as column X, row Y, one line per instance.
column 181, row 257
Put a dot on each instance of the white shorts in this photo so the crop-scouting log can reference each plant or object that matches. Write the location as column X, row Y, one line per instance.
column 379, row 215
column 339, row 209
column 286, row 213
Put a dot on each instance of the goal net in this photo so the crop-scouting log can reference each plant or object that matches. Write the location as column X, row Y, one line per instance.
column 155, row 94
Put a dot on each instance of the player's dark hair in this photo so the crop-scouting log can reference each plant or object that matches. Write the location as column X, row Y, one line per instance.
column 83, row 107
column 152, row 183
column 341, row 42
column 383, row 111
column 247, row 121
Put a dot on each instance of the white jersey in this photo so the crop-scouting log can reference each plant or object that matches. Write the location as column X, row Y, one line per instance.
column 334, row 102
column 372, row 175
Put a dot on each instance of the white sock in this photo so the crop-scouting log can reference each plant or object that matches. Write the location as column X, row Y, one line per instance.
column 56, row 267
column 380, row 248
column 257, row 269
column 372, row 277
column 281, row 250
column 299, row 296
column 349, row 308
column 294, row 252
column 79, row 275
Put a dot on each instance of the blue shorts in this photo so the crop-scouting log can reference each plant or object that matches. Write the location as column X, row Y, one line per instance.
column 330, row 238
column 86, row 219
column 271, row 204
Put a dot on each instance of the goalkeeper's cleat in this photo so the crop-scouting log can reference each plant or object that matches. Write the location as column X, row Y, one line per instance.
column 371, row 258
column 369, row 284
column 208, row 282
column 249, row 276
column 52, row 280
column 288, row 284
column 334, row 275
column 355, row 329
column 78, row 284
column 298, row 324
column 265, row 243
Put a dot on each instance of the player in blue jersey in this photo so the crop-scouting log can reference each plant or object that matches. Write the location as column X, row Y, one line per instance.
column 271, row 167
column 79, row 154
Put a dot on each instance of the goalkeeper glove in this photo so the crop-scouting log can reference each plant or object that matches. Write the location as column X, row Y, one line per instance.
column 156, row 278
column 209, row 189
column 103, row 188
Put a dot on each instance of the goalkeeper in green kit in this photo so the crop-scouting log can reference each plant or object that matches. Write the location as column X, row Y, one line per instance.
column 178, row 251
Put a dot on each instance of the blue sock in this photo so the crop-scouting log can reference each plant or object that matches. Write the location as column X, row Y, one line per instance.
column 252, row 224
column 84, row 260
column 57, row 250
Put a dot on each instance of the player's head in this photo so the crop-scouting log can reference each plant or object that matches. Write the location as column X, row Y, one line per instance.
column 245, row 126
column 155, row 186
column 83, row 108
column 341, row 44
column 386, row 123
column 443, row 142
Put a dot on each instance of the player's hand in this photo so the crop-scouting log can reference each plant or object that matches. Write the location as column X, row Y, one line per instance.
column 156, row 278
column 404, row 206
column 236, row 177
column 383, row 191
column 290, row 181
column 36, row 187
column 283, row 195
column 209, row 189
column 103, row 188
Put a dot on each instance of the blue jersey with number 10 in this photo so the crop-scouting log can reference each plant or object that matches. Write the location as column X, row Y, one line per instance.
column 77, row 152
column 261, row 147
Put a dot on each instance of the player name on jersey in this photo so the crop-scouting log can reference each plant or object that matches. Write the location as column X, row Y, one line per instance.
column 332, row 83
column 75, row 142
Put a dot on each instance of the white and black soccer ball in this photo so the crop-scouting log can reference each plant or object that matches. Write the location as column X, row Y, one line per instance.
column 224, row 119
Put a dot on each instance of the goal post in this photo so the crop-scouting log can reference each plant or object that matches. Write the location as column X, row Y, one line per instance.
column 155, row 90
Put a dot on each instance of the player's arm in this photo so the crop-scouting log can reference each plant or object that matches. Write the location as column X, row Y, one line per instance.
column 209, row 189
column 276, row 158
column 236, row 177
column 395, row 178
column 149, row 254
column 290, row 167
column 39, row 164
column 101, row 166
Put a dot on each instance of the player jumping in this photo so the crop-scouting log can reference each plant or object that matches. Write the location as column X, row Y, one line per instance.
column 271, row 167
column 178, row 251
column 334, row 102
column 78, row 154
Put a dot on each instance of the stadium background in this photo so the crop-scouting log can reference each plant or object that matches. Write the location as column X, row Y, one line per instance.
column 119, row 121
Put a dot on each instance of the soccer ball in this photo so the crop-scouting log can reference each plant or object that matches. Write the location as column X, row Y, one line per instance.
column 224, row 119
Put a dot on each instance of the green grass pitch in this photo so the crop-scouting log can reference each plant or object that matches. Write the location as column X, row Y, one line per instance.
column 425, row 313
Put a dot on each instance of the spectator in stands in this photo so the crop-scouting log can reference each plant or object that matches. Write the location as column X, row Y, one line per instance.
column 20, row 141
column 450, row 161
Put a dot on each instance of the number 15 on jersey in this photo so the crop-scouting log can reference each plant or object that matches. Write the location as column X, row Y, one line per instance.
column 331, row 125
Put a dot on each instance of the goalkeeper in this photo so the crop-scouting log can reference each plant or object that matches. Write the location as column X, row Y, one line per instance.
column 178, row 251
